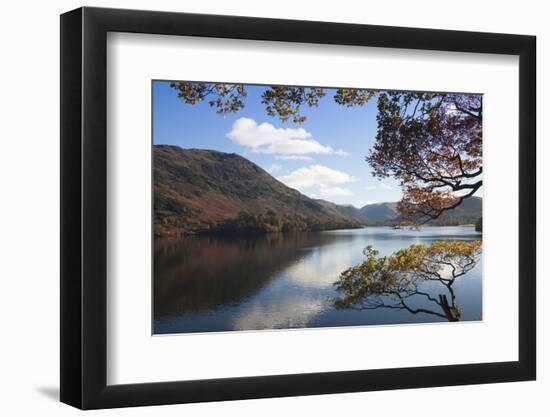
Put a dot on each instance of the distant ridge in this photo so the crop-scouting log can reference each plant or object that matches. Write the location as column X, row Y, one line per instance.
column 386, row 214
column 380, row 212
column 469, row 212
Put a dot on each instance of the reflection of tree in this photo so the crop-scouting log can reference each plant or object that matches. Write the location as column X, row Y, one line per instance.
column 395, row 282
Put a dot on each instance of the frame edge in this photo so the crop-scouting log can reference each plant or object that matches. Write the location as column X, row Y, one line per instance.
column 70, row 214
column 527, row 206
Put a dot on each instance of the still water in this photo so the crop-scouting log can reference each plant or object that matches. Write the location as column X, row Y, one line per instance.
column 274, row 281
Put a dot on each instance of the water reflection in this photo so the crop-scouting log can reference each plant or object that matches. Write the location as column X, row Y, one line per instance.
column 200, row 273
column 294, row 312
column 321, row 267
column 280, row 280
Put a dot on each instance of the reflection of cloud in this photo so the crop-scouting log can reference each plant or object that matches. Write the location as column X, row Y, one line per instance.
column 266, row 138
column 321, row 269
column 291, row 313
column 316, row 271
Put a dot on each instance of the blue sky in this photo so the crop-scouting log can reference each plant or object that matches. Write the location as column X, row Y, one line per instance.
column 323, row 158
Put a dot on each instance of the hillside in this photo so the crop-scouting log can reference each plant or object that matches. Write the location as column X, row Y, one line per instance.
column 469, row 212
column 345, row 210
column 204, row 191
column 379, row 213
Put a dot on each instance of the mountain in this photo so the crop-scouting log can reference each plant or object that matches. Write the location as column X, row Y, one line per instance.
column 345, row 210
column 469, row 212
column 379, row 213
column 205, row 191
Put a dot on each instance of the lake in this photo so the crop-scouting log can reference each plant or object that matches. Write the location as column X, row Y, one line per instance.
column 278, row 281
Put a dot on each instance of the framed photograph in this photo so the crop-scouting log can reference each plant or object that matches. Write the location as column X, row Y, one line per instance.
column 258, row 208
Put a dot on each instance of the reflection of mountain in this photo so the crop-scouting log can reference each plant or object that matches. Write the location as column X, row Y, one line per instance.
column 201, row 273
column 281, row 280
column 199, row 190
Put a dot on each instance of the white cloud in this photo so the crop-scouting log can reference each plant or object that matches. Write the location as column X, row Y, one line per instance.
column 266, row 138
column 334, row 192
column 294, row 157
column 273, row 168
column 317, row 176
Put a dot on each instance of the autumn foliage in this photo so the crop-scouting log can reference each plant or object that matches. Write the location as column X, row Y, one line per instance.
column 432, row 144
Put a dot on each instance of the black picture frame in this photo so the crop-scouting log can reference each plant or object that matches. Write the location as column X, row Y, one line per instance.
column 84, row 207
